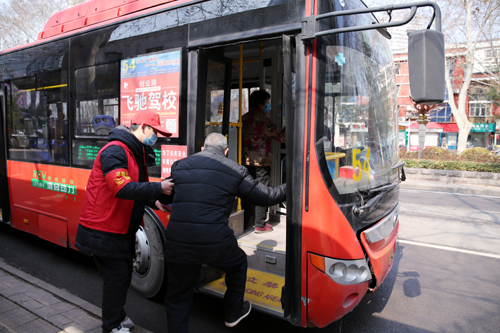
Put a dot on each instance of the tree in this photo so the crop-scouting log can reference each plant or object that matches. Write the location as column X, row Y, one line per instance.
column 22, row 20
column 466, row 23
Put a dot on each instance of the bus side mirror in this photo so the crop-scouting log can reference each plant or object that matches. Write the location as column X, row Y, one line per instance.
column 426, row 66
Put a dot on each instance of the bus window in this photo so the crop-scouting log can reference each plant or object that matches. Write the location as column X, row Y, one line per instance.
column 96, row 111
column 37, row 119
column 96, row 99
column 356, row 118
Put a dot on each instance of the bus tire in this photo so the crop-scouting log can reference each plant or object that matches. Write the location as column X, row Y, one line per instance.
column 149, row 266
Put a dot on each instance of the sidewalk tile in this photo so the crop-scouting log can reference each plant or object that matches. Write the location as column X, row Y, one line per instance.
column 59, row 320
column 18, row 289
column 53, row 310
column 6, row 305
column 26, row 302
column 83, row 319
column 74, row 328
column 11, row 281
column 38, row 326
column 43, row 297
column 16, row 317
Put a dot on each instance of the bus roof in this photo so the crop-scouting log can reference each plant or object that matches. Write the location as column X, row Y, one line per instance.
column 96, row 13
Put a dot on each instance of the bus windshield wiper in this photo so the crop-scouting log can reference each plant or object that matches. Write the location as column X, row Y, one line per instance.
column 384, row 188
column 361, row 210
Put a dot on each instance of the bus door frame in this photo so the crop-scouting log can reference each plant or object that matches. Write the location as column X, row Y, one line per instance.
column 197, row 82
column 295, row 138
column 4, row 183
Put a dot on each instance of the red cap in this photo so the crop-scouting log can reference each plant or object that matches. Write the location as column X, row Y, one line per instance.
column 151, row 119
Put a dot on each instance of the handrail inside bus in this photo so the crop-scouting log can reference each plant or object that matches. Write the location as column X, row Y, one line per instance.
column 309, row 23
column 334, row 156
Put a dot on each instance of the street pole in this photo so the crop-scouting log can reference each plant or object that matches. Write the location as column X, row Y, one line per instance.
column 409, row 136
column 423, row 110
column 422, row 127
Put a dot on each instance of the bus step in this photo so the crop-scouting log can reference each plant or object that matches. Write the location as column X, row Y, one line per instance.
column 263, row 290
column 266, row 252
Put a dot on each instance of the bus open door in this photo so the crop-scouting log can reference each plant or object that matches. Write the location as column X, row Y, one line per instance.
column 224, row 74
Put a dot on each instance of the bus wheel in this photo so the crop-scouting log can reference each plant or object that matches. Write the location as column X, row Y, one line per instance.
column 149, row 266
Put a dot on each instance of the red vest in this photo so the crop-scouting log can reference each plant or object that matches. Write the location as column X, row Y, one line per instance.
column 102, row 210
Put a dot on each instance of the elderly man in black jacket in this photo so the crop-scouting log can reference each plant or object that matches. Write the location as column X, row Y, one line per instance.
column 198, row 233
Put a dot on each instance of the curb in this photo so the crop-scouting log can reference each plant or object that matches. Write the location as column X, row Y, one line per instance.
column 64, row 296
column 84, row 305
column 437, row 186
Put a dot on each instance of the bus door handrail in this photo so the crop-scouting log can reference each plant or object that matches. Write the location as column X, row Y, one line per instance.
column 310, row 26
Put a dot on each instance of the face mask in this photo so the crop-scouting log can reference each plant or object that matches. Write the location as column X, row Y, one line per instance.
column 151, row 140
column 268, row 107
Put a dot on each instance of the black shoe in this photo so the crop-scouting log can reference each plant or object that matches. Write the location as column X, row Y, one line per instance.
column 232, row 321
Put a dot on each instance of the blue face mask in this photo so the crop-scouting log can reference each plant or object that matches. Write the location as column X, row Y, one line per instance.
column 268, row 107
column 151, row 140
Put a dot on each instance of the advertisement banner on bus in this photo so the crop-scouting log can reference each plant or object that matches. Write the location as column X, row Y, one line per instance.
column 170, row 154
column 152, row 82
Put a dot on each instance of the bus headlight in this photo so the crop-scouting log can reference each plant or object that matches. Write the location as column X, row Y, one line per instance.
column 345, row 272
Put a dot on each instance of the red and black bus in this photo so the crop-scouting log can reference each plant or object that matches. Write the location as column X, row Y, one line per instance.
column 330, row 73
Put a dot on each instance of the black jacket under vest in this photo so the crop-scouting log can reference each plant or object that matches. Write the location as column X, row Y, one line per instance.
column 206, row 185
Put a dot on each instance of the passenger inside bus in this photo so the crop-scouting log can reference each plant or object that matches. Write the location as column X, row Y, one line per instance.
column 258, row 132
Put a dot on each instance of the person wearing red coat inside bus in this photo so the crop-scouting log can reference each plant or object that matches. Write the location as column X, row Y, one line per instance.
column 258, row 133
column 117, row 192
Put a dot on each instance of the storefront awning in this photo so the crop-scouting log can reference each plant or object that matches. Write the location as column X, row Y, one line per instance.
column 450, row 128
column 438, row 127
column 430, row 126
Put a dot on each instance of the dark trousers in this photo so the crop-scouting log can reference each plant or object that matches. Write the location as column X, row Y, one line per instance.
column 256, row 215
column 182, row 278
column 116, row 275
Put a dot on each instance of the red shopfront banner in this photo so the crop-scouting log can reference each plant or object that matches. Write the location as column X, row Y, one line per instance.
column 151, row 83
column 170, row 154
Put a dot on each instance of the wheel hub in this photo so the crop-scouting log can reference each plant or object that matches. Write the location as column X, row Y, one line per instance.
column 142, row 251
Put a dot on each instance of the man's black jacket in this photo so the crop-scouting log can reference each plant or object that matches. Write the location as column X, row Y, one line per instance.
column 206, row 185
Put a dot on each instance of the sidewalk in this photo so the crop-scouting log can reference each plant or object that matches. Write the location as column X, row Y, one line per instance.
column 29, row 305
column 437, row 186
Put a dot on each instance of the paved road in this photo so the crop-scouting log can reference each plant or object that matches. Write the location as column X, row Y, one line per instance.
column 430, row 289
column 462, row 221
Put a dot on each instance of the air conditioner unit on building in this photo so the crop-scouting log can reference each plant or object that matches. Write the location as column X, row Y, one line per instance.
column 455, row 91
column 401, row 119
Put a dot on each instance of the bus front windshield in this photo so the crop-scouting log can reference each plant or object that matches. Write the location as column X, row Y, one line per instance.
column 357, row 114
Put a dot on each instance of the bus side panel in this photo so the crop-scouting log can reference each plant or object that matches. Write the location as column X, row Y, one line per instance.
column 54, row 193
column 381, row 254
column 328, row 301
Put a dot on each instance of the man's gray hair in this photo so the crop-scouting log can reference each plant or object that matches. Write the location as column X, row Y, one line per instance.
column 216, row 140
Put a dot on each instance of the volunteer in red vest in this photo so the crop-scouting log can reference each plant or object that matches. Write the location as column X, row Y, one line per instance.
column 117, row 192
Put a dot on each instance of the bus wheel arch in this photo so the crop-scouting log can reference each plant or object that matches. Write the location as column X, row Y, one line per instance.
column 149, row 268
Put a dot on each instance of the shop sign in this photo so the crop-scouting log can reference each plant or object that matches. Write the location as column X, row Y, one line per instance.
column 483, row 128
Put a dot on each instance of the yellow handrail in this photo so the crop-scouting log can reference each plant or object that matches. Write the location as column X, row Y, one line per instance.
column 334, row 156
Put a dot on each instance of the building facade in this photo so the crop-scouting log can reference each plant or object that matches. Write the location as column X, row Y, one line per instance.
column 481, row 111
